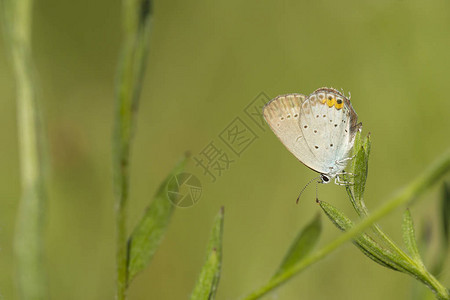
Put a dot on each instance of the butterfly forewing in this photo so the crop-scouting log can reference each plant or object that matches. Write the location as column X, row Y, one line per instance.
column 282, row 114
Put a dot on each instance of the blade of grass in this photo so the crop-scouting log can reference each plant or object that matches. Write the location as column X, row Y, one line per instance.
column 302, row 245
column 208, row 280
column 149, row 232
column 445, row 210
column 136, row 23
column 439, row 260
column 28, row 244
column 410, row 192
column 410, row 238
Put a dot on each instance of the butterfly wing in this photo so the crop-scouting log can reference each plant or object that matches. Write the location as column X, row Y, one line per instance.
column 329, row 125
column 353, row 127
column 282, row 114
column 319, row 129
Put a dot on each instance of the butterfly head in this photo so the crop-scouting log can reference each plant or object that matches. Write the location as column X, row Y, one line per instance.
column 325, row 178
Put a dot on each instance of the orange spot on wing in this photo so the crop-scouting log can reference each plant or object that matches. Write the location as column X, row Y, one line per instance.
column 331, row 102
column 339, row 105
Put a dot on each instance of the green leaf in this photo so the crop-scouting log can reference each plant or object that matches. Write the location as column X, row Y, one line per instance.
column 208, row 279
column 445, row 203
column 29, row 241
column 302, row 245
column 439, row 258
column 409, row 237
column 370, row 255
column 367, row 145
column 136, row 16
column 356, row 204
column 361, row 169
column 364, row 242
column 337, row 217
column 150, row 230
column 356, row 146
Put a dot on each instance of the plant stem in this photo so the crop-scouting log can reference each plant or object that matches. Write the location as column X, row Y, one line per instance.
column 419, row 271
column 28, row 243
column 412, row 191
column 136, row 17
column 440, row 291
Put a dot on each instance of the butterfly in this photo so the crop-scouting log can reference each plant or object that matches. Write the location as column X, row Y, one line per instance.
column 319, row 129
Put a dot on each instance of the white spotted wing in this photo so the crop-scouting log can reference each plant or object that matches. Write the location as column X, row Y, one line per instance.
column 319, row 129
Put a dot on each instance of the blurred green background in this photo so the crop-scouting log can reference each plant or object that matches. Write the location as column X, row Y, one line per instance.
column 208, row 60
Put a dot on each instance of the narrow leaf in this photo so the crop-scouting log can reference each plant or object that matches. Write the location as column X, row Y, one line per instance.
column 369, row 254
column 360, row 173
column 29, row 241
column 364, row 242
column 302, row 245
column 208, row 279
column 361, row 169
column 409, row 237
column 438, row 262
column 150, row 230
column 367, row 145
column 356, row 146
column 130, row 74
column 445, row 203
column 356, row 204
column 337, row 217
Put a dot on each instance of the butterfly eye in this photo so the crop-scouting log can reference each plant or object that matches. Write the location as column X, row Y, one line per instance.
column 325, row 178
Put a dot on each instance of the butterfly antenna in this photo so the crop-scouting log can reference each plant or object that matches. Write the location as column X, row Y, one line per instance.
column 304, row 188
column 317, row 197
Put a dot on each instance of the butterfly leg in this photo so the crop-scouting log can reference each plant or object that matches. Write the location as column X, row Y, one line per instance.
column 343, row 178
column 344, row 161
column 339, row 182
column 346, row 174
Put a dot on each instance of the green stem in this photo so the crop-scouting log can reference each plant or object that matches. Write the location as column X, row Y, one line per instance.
column 415, row 268
column 416, row 188
column 28, row 241
column 440, row 291
column 136, row 17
